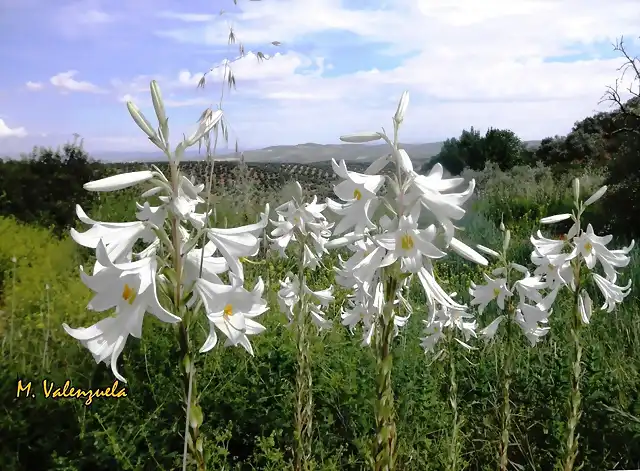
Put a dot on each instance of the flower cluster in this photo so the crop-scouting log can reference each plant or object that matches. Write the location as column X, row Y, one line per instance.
column 560, row 262
column 379, row 222
column 303, row 223
column 182, row 260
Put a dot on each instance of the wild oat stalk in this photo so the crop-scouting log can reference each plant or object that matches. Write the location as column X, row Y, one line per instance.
column 194, row 415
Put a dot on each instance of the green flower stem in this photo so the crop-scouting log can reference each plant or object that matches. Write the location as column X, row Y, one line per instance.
column 193, row 442
column 304, row 381
column 505, row 416
column 386, row 435
column 575, row 397
column 453, row 400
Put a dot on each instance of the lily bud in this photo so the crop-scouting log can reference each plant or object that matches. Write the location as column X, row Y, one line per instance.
column 142, row 122
column 361, row 137
column 158, row 106
column 596, row 196
column 402, row 107
column 576, row 189
column 507, row 240
column 555, row 218
column 119, row 182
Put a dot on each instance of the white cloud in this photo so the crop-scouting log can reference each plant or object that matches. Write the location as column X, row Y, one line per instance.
column 66, row 82
column 34, row 85
column 465, row 63
column 6, row 131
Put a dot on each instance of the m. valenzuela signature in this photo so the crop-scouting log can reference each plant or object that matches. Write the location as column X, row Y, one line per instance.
column 25, row 389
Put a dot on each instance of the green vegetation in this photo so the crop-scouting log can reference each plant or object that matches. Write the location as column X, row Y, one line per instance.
column 248, row 401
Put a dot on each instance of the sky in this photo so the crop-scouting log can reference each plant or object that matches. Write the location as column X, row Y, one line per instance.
column 337, row 67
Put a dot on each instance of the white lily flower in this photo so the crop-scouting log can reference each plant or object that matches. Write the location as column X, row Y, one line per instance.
column 307, row 220
column 106, row 338
column 358, row 191
column 361, row 268
column 234, row 243
column 118, row 237
column 445, row 317
column 484, row 294
column 490, row 331
column 613, row 294
column 289, row 296
column 211, row 266
column 529, row 319
column 184, row 204
column 593, row 248
column 555, row 269
column 433, row 333
column 544, row 246
column 433, row 291
column 130, row 288
column 529, row 287
column 231, row 309
column 409, row 244
column 446, row 207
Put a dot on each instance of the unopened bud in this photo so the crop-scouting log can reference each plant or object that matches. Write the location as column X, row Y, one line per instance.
column 507, row 240
column 402, row 107
column 576, row 189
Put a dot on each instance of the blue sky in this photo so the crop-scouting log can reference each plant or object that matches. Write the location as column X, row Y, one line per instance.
column 534, row 66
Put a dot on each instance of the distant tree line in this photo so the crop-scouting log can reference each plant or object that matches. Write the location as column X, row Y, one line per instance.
column 44, row 186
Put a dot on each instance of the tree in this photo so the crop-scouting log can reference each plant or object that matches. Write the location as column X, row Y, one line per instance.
column 503, row 147
column 472, row 150
column 620, row 204
column 44, row 187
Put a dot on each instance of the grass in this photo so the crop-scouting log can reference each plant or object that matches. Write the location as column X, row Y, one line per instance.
column 247, row 401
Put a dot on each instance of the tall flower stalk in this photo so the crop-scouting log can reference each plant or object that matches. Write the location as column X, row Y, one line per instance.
column 305, row 224
column 386, row 433
column 454, row 442
column 564, row 263
column 530, row 314
column 444, row 324
column 378, row 220
column 172, row 277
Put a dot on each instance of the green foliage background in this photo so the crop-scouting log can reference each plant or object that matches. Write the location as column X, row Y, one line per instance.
column 247, row 401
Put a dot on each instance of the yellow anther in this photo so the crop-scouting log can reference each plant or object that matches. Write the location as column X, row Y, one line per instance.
column 588, row 247
column 228, row 310
column 356, row 194
column 496, row 292
column 128, row 294
column 406, row 242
